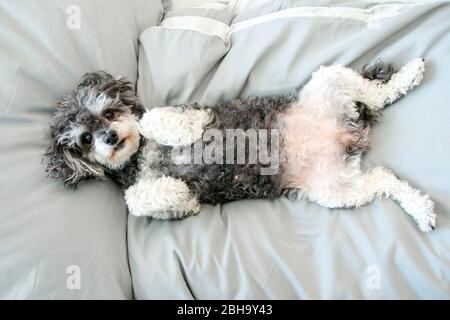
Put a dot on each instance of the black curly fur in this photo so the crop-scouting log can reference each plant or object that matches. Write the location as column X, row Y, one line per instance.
column 220, row 183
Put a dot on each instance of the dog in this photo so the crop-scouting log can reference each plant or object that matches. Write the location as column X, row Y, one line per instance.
column 171, row 160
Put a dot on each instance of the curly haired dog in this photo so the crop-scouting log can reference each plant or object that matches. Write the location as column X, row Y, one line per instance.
column 171, row 160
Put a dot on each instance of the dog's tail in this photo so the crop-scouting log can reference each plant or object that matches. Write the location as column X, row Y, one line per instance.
column 377, row 71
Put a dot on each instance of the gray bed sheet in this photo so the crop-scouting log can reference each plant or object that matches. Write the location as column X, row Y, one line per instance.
column 285, row 249
column 56, row 243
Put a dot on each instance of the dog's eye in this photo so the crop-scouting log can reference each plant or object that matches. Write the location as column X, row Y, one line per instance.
column 86, row 138
column 109, row 115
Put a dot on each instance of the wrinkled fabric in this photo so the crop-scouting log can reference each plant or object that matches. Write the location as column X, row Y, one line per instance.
column 294, row 249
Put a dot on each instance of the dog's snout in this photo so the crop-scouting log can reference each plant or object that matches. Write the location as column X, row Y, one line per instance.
column 110, row 137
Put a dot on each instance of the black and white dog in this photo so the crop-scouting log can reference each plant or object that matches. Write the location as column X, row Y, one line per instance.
column 171, row 160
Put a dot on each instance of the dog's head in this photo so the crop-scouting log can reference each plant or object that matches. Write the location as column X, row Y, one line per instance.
column 94, row 127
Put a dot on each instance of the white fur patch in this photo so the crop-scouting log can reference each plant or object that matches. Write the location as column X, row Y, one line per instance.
column 173, row 126
column 162, row 198
column 96, row 105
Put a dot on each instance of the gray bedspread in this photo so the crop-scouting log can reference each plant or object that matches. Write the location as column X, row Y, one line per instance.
column 285, row 249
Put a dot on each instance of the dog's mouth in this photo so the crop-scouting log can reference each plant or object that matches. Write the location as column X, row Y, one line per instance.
column 120, row 145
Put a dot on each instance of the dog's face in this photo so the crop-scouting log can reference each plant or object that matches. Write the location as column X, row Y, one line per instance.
column 94, row 127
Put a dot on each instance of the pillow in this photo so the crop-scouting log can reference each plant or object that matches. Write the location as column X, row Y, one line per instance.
column 57, row 243
column 203, row 46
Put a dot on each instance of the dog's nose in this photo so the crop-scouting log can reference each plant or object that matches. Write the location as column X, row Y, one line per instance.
column 110, row 137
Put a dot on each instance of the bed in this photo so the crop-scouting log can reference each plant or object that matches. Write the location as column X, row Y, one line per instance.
column 81, row 244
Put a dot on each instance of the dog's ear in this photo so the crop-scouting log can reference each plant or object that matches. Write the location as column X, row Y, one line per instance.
column 119, row 88
column 65, row 165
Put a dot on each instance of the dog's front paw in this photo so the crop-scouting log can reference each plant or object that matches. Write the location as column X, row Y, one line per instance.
column 192, row 208
column 162, row 198
column 167, row 214
column 183, row 214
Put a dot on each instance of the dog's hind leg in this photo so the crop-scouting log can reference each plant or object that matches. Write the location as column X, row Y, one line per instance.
column 342, row 83
column 380, row 94
column 377, row 183
column 175, row 126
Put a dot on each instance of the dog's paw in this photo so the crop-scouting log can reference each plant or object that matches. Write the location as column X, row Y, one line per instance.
column 428, row 222
column 410, row 75
column 183, row 214
column 422, row 212
column 192, row 208
column 163, row 198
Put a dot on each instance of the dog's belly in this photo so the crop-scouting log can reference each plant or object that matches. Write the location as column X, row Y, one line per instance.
column 322, row 148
